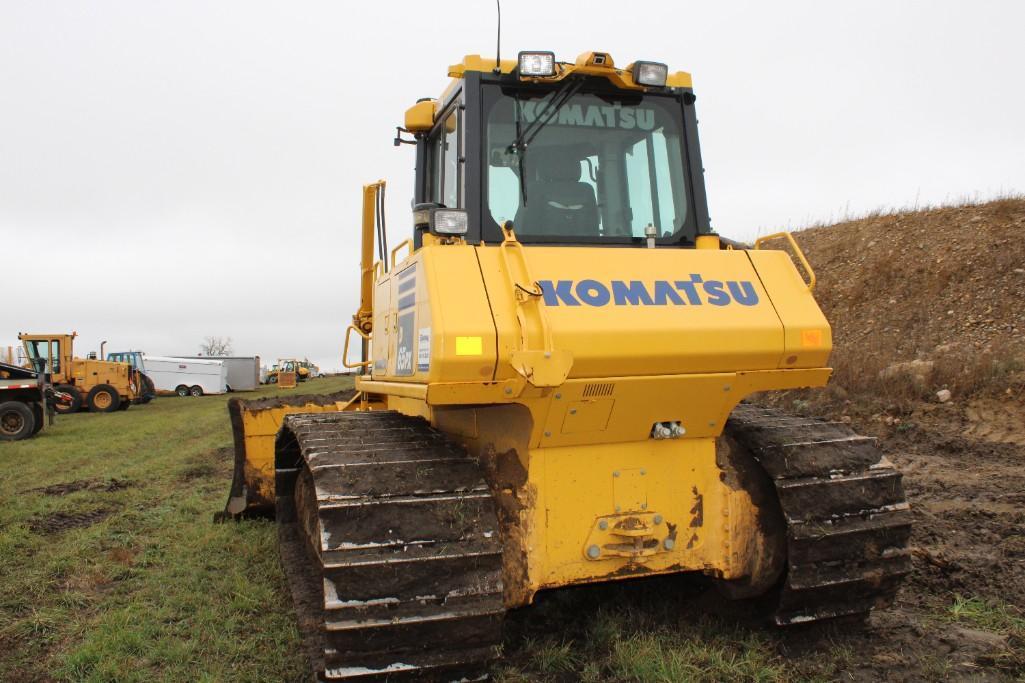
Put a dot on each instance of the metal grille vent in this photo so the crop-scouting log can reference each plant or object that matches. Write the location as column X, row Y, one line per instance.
column 598, row 390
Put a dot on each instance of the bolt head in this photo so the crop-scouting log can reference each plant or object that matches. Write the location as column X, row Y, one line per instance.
column 593, row 552
column 643, row 472
column 508, row 390
column 548, row 433
column 668, row 544
column 572, row 411
column 603, row 524
column 658, row 519
column 644, row 506
column 619, row 509
column 558, row 396
column 615, row 473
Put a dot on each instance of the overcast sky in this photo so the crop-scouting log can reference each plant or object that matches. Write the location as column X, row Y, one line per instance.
column 183, row 169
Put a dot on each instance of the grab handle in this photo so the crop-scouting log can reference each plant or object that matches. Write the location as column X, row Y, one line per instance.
column 796, row 250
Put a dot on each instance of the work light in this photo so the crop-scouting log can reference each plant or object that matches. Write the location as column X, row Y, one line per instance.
column 650, row 73
column 448, row 221
column 537, row 64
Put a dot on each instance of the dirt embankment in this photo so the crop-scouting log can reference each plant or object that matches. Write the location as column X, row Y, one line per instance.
column 928, row 315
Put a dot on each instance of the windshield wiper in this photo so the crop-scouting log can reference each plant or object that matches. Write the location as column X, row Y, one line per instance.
column 524, row 136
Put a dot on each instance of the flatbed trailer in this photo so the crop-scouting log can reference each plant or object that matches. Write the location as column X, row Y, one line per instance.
column 22, row 402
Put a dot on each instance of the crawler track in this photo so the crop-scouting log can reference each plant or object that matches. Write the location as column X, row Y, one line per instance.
column 847, row 520
column 398, row 533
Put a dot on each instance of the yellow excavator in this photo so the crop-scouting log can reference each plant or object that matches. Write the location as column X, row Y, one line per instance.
column 552, row 390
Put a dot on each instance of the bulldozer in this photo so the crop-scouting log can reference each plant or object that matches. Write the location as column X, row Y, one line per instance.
column 555, row 389
column 98, row 385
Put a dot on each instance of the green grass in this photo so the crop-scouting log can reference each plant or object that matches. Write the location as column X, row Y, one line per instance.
column 153, row 590
column 995, row 617
column 651, row 631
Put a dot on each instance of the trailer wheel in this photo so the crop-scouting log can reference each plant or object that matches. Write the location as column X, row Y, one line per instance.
column 76, row 400
column 16, row 421
column 103, row 398
column 40, row 415
column 196, row 391
column 181, row 390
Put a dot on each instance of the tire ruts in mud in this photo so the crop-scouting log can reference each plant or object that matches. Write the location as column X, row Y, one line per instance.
column 403, row 545
column 847, row 520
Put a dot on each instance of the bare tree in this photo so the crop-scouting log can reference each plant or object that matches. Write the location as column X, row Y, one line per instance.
column 215, row 346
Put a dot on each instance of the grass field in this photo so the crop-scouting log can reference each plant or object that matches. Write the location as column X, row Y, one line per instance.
column 112, row 568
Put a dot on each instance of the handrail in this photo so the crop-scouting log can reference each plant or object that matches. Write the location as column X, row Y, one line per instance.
column 403, row 243
column 797, row 252
column 345, row 352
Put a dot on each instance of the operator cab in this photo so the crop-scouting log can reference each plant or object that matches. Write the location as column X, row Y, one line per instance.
column 580, row 153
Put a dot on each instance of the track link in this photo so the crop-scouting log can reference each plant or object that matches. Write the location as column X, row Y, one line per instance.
column 847, row 521
column 402, row 543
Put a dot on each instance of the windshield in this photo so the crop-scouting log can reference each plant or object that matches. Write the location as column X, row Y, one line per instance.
column 604, row 167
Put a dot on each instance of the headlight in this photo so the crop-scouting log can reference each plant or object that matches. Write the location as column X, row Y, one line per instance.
column 449, row 221
column 537, row 64
column 650, row 73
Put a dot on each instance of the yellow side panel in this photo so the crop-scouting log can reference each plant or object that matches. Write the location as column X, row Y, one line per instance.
column 440, row 326
column 808, row 337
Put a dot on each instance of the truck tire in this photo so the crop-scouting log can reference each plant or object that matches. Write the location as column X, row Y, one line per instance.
column 17, row 421
column 76, row 400
column 196, row 391
column 40, row 415
column 103, row 398
column 181, row 390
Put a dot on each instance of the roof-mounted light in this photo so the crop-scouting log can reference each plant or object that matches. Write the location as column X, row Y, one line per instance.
column 650, row 73
column 537, row 64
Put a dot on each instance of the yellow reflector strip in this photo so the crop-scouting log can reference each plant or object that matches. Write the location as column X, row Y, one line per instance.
column 469, row 346
column 811, row 337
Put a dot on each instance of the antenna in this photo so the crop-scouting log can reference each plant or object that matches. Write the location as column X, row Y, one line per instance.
column 498, row 47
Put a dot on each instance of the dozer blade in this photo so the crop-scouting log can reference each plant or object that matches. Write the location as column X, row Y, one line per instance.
column 254, row 426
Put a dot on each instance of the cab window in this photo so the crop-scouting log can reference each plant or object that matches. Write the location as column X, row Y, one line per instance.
column 446, row 161
column 41, row 352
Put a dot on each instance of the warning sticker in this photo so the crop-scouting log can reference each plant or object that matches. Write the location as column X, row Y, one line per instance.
column 423, row 349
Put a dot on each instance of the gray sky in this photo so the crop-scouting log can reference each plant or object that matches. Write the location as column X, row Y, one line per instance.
column 194, row 168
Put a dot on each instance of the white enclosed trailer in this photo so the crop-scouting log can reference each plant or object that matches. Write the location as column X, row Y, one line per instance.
column 187, row 376
column 243, row 371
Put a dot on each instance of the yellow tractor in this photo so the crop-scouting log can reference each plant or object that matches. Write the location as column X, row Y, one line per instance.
column 286, row 372
column 553, row 385
column 101, row 386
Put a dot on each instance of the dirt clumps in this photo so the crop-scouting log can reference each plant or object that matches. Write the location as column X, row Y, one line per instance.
column 105, row 486
column 58, row 522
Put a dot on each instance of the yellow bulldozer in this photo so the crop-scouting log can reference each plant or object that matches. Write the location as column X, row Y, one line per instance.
column 98, row 385
column 553, row 389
